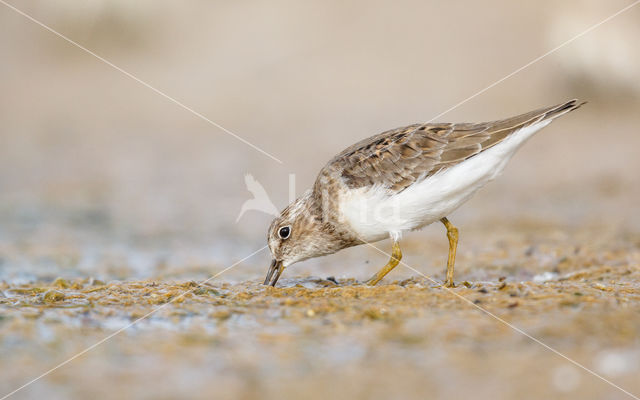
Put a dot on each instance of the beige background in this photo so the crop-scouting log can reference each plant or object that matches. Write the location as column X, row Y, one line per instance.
column 90, row 156
column 102, row 177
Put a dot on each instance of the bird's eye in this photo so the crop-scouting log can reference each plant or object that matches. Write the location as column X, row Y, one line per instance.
column 284, row 232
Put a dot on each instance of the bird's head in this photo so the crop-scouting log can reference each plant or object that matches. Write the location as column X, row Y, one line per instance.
column 297, row 234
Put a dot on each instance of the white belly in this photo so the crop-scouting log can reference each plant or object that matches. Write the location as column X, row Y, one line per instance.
column 374, row 214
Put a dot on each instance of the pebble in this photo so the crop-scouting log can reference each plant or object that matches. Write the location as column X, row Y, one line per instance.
column 53, row 296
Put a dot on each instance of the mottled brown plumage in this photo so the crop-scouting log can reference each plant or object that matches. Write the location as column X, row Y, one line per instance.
column 400, row 157
column 384, row 166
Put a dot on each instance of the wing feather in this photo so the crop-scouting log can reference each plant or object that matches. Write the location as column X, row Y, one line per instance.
column 398, row 158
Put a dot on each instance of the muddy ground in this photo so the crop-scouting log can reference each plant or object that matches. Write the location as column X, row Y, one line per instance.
column 516, row 326
column 116, row 204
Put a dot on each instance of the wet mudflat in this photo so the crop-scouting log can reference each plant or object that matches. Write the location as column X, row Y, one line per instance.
column 115, row 203
column 317, row 337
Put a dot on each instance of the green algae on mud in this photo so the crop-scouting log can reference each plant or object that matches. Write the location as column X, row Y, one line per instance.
column 346, row 300
column 246, row 339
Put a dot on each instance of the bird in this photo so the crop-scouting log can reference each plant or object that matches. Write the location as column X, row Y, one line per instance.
column 399, row 181
column 260, row 201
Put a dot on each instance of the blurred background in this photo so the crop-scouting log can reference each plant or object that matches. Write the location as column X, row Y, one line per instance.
column 102, row 177
column 97, row 170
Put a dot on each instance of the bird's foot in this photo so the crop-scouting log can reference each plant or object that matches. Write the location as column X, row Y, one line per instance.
column 372, row 281
column 447, row 284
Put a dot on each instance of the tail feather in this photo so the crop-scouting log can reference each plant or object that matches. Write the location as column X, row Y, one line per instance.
column 563, row 108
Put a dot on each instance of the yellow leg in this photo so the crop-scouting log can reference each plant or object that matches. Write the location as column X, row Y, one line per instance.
column 396, row 256
column 452, row 234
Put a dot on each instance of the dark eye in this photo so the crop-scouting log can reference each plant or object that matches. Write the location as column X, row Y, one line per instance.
column 284, row 232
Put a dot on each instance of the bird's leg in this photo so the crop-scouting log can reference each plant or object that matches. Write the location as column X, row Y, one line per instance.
column 452, row 234
column 396, row 256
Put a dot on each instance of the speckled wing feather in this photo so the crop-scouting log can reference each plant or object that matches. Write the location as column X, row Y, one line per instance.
column 397, row 158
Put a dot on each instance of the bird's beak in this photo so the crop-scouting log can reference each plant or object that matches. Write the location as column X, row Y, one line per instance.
column 277, row 268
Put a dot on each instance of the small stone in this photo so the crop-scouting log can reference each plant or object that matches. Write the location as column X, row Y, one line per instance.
column 310, row 313
column 53, row 296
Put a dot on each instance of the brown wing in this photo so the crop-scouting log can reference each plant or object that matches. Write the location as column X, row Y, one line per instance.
column 399, row 157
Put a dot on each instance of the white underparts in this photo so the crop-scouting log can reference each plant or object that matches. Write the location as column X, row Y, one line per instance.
column 375, row 214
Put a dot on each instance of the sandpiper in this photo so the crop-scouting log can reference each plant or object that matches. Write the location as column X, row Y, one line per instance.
column 398, row 181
